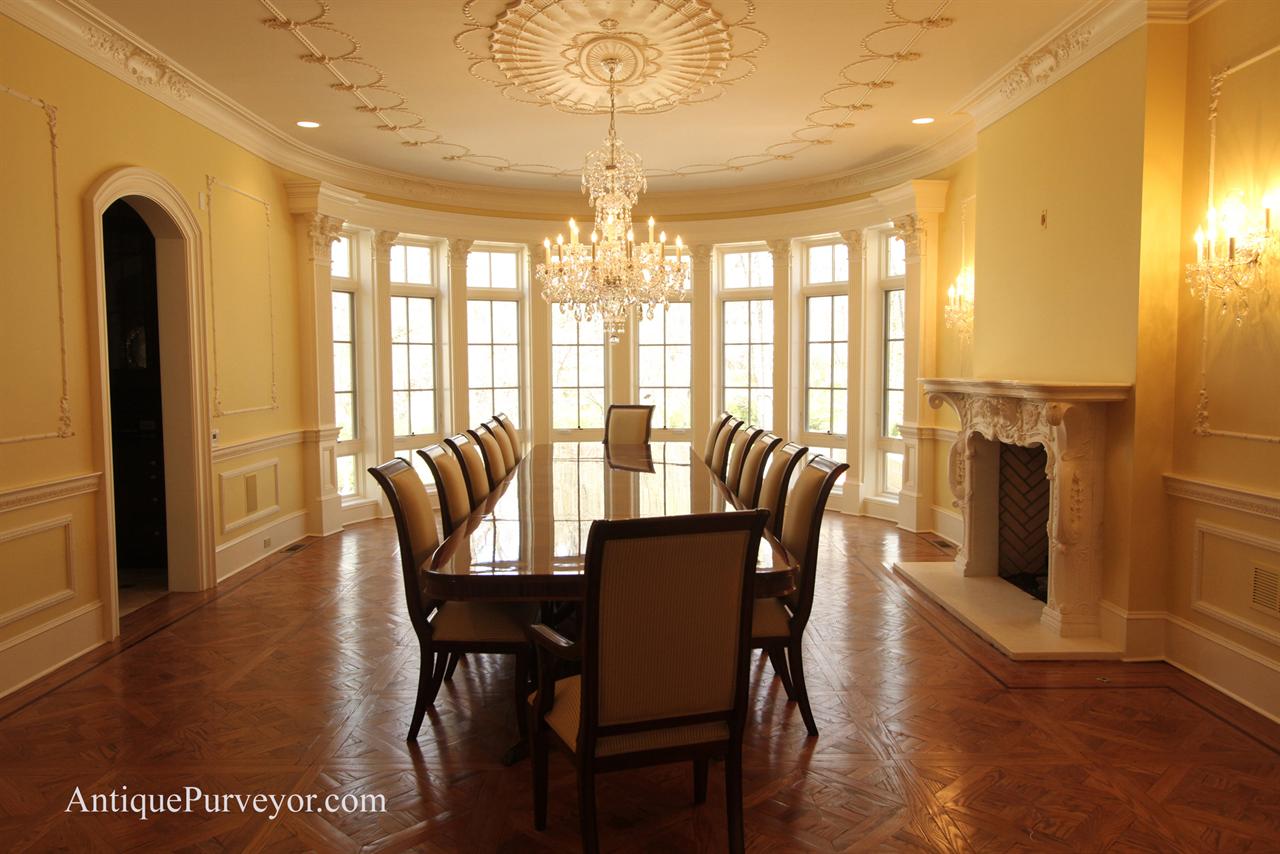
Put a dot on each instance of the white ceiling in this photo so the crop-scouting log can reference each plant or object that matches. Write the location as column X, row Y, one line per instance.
column 733, row 96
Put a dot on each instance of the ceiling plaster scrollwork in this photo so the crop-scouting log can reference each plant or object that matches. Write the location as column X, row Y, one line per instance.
column 870, row 72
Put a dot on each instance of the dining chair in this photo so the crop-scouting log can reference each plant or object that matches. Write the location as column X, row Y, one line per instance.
column 512, row 433
column 492, row 453
column 709, row 450
column 738, row 448
column 499, row 433
column 628, row 424
column 451, row 486
column 778, row 627
column 720, row 453
column 662, row 679
column 773, row 489
column 446, row 630
column 467, row 450
column 753, row 468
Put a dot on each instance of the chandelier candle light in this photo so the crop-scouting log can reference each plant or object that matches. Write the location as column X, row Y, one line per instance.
column 615, row 273
column 1230, row 249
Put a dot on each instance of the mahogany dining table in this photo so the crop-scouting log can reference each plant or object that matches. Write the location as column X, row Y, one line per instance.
column 527, row 540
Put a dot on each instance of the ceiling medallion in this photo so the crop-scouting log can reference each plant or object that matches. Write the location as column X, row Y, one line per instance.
column 554, row 52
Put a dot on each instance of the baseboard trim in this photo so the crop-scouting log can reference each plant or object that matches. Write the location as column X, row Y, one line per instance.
column 247, row 549
column 26, row 657
column 948, row 524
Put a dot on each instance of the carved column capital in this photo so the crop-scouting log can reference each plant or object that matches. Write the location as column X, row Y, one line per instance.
column 781, row 251
column 853, row 239
column 459, row 248
column 323, row 231
column 700, row 257
column 382, row 242
column 911, row 231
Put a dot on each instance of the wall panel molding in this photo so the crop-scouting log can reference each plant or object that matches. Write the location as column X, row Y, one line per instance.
column 1203, row 530
column 63, row 416
column 62, row 523
column 254, row 446
column 52, row 490
column 1237, row 498
column 227, row 478
column 212, row 184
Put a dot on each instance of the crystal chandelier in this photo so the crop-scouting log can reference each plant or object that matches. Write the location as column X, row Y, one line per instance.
column 958, row 312
column 1230, row 250
column 615, row 273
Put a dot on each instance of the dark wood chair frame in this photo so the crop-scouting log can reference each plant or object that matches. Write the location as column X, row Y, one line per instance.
column 785, row 653
column 428, row 454
column 456, row 443
column 719, row 468
column 552, row 648
column 648, row 422
column 730, row 480
column 775, row 524
column 436, row 655
column 721, row 420
column 771, row 442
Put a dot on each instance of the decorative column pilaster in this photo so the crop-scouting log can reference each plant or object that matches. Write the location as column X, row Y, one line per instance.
column 320, row 443
column 856, row 451
column 703, row 405
column 782, row 384
column 459, row 397
column 383, row 439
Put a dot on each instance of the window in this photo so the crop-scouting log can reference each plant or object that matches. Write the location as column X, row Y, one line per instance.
column 827, row 368
column 893, row 384
column 840, row 455
column 748, row 269
column 493, row 268
column 664, row 358
column 577, row 371
column 411, row 264
column 413, row 365
column 895, row 257
column 493, row 358
column 344, row 364
column 827, row 263
column 340, row 258
column 747, row 366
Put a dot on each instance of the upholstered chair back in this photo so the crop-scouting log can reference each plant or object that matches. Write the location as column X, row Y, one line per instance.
column 451, row 486
column 415, row 529
column 773, row 489
column 512, row 433
column 491, row 451
column 720, row 453
column 650, row 656
column 628, row 424
column 753, row 465
column 464, row 447
column 709, row 451
column 499, row 433
column 802, row 523
column 738, row 449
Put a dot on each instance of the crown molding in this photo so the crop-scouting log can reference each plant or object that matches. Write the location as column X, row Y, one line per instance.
column 78, row 27
column 1098, row 26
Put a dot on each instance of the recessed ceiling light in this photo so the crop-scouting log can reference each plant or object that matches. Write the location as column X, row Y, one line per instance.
column 317, row 124
column 923, row 120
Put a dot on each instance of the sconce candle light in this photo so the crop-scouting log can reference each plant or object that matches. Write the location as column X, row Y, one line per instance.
column 1230, row 249
column 958, row 312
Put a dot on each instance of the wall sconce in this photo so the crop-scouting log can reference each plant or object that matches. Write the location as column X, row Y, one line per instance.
column 1230, row 249
column 958, row 312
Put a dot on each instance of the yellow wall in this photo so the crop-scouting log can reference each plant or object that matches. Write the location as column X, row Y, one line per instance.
column 102, row 125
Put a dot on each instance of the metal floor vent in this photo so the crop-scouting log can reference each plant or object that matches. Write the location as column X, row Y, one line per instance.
column 1266, row 590
column 296, row 547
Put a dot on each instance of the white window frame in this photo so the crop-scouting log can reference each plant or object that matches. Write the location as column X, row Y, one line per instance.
column 523, row 342
column 363, row 444
column 433, row 292
column 662, row 431
column 879, row 445
column 580, row 432
column 726, row 295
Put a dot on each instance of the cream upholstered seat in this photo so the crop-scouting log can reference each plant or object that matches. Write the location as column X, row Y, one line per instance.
column 499, row 433
column 713, row 434
column 663, row 678
column 777, row 479
column 738, row 449
column 512, row 433
column 628, row 424
column 451, row 486
column 494, row 464
column 752, row 474
column 445, row 630
column 720, row 452
column 778, row 625
column 464, row 447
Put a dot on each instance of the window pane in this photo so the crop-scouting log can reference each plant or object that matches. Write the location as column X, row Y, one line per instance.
column 422, row 373
column 344, row 365
column 507, row 400
column 564, row 366
column 820, row 264
column 893, row 413
column 762, row 365
column 761, row 320
column 399, row 319
column 341, row 316
column 895, row 365
column 342, row 379
column 897, row 313
column 397, row 263
column 840, row 318
column 762, row 408
column 650, row 331
column 651, row 364
column 736, row 367
column 737, row 269
column 502, row 269
column 820, row 366
column 340, row 258
column 482, row 407
column 479, row 322
column 737, row 401
column 664, row 368
column 480, row 365
column 591, row 365
column 656, row 398
column 347, row 475
column 820, row 318
column 493, row 356
column 737, row 328
column 841, row 273
column 422, row 416
column 564, row 409
column 421, row 325
column 840, row 413
column 897, row 260
column 506, row 366
column 679, row 412
column 819, row 411
column 761, row 269
column 400, row 413
column 577, row 372
column 344, row 415
column 679, row 365
column 679, row 323
column 418, row 265
column 747, row 368
column 506, row 323
column 477, row 269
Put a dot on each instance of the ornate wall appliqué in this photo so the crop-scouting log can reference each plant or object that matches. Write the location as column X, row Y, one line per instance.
column 146, row 68
column 323, row 231
column 1038, row 67
column 908, row 229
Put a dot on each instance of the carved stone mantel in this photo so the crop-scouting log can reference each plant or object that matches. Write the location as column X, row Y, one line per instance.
column 1069, row 421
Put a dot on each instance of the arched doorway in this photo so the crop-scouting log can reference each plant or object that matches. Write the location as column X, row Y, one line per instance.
column 152, row 400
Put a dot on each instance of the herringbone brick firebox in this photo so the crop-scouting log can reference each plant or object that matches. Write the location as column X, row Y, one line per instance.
column 1023, row 551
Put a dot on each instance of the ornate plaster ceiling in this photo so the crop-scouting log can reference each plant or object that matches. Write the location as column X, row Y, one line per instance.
column 715, row 94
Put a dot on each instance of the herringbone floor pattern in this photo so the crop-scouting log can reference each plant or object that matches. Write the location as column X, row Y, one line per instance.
column 301, row 679
column 1024, row 511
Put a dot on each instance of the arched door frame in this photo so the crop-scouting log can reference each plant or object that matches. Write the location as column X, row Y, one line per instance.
column 184, row 378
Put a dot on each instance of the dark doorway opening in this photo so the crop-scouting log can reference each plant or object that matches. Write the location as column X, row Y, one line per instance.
column 137, row 437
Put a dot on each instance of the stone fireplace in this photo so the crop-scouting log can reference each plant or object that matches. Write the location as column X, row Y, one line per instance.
column 1027, row 476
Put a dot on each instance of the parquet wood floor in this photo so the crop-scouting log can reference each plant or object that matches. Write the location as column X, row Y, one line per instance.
column 299, row 677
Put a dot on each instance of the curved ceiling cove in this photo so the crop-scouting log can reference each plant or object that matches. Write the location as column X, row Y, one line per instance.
column 726, row 96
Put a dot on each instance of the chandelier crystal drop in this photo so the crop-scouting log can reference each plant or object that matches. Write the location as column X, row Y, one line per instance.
column 615, row 273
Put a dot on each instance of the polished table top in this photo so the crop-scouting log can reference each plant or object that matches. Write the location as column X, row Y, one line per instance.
column 528, row 539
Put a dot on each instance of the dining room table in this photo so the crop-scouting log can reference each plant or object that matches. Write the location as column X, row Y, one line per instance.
column 527, row 541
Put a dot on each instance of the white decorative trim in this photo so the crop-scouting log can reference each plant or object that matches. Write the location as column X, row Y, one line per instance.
column 321, row 435
column 936, row 434
column 26, row 657
column 1203, row 529
column 51, row 490
column 1097, row 27
column 68, row 545
column 272, row 509
column 247, row 549
column 146, row 68
column 948, row 524
column 1032, row 389
column 213, row 183
column 63, row 418
column 1237, row 671
column 255, row 446
column 1231, row 497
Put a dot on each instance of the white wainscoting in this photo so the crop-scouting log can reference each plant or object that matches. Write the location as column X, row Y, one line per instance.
column 252, row 547
column 68, row 591
column 30, row 655
column 228, row 479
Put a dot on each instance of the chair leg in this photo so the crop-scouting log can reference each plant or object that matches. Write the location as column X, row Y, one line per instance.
column 795, row 661
column 733, row 798
column 437, row 677
column 587, row 808
column 522, row 694
column 700, row 781
column 778, row 658
column 453, row 665
column 428, row 685
column 539, row 750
